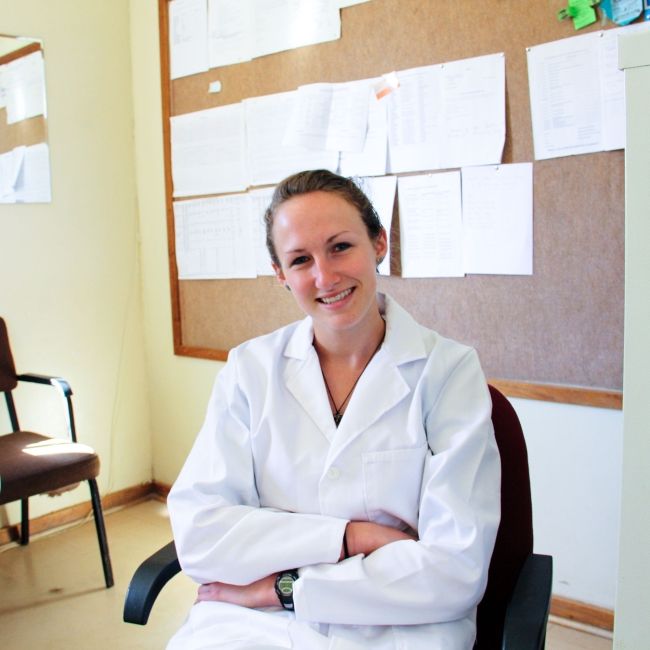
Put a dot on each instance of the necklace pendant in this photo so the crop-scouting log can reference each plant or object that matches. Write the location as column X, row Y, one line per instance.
column 337, row 418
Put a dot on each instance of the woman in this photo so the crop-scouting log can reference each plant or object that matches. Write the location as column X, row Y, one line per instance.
column 343, row 491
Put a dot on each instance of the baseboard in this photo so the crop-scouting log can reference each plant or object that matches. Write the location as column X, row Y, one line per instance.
column 565, row 608
column 584, row 613
column 160, row 489
column 83, row 510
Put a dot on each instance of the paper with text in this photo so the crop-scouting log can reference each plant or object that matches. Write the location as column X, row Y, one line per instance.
column 448, row 115
column 498, row 219
column 259, row 201
column 372, row 159
column 188, row 37
column 269, row 160
column 209, row 151
column 286, row 24
column 430, row 225
column 230, row 32
column 577, row 94
column 330, row 116
column 215, row 238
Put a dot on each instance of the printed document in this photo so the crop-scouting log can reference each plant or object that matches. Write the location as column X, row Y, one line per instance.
column 259, row 201
column 498, row 219
column 269, row 160
column 330, row 116
column 430, row 225
column 577, row 94
column 209, row 151
column 287, row 24
column 448, row 115
column 214, row 238
column 188, row 37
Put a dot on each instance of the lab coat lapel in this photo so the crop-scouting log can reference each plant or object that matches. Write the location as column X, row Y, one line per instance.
column 380, row 388
column 382, row 385
column 304, row 379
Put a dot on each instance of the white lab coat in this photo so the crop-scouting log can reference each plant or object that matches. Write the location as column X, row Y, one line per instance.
column 271, row 483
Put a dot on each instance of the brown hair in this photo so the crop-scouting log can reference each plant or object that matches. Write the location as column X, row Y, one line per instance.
column 320, row 180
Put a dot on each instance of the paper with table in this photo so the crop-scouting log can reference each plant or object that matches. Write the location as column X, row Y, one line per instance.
column 448, row 115
column 577, row 94
column 215, row 238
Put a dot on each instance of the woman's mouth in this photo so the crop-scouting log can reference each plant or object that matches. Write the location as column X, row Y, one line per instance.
column 333, row 299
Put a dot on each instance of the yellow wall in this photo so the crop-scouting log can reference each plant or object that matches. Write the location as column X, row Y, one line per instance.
column 179, row 386
column 70, row 288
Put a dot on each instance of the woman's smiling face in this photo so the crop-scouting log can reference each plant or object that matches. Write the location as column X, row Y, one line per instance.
column 327, row 259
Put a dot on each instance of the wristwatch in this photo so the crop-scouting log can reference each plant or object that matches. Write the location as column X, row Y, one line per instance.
column 284, row 587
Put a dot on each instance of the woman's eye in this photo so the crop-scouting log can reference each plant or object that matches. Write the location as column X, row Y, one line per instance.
column 341, row 246
column 299, row 260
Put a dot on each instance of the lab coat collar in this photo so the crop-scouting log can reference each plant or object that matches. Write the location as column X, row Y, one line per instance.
column 403, row 343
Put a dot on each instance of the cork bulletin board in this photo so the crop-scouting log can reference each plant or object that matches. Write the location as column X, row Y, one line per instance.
column 556, row 335
column 26, row 132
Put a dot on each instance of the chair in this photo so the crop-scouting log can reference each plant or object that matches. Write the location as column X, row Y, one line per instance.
column 32, row 463
column 514, row 611
column 515, row 606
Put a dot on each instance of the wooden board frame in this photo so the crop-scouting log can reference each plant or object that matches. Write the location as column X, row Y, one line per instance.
column 601, row 171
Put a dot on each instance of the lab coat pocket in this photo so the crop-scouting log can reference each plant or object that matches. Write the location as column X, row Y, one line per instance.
column 392, row 481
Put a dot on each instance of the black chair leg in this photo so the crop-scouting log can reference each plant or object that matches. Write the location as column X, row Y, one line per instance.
column 24, row 522
column 101, row 532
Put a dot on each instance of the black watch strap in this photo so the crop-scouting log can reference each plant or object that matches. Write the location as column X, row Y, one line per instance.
column 284, row 587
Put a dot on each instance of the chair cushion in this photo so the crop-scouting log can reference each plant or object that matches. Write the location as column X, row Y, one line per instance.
column 31, row 464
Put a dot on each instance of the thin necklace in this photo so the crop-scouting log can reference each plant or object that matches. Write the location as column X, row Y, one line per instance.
column 338, row 414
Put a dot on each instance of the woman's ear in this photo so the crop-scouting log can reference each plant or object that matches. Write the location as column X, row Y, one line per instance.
column 381, row 245
column 279, row 274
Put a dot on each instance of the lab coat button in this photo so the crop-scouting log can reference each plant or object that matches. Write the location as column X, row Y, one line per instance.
column 333, row 473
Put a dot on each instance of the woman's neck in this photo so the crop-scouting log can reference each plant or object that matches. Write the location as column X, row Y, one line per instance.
column 353, row 347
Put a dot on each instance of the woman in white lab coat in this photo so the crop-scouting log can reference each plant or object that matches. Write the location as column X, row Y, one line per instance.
column 343, row 491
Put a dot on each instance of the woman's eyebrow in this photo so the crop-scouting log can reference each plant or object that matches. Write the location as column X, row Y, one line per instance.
column 293, row 251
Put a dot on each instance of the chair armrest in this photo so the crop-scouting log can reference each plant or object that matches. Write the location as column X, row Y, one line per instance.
column 58, row 382
column 527, row 612
column 150, row 577
column 64, row 387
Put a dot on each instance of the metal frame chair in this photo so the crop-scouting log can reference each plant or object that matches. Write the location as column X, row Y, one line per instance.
column 33, row 463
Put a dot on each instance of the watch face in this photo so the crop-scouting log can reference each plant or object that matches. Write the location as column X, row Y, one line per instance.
column 285, row 584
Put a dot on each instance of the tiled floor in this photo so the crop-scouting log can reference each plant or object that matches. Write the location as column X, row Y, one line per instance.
column 52, row 595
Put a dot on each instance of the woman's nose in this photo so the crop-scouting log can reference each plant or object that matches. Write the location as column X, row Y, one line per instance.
column 325, row 274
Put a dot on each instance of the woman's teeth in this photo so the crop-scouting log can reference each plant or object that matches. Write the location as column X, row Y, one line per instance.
column 337, row 297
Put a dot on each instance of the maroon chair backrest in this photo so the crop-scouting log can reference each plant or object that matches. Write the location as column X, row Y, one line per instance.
column 8, row 379
column 514, row 541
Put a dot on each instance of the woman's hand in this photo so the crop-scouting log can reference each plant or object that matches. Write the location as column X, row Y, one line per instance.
column 257, row 594
column 365, row 536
